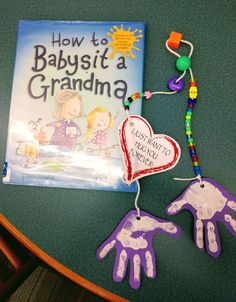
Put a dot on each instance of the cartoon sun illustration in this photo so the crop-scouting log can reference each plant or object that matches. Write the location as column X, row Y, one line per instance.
column 123, row 41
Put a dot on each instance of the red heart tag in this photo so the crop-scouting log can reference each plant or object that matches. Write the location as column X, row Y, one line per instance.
column 145, row 153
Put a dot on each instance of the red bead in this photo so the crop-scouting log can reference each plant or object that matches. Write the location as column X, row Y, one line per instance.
column 136, row 95
column 190, row 105
column 192, row 84
column 191, row 147
column 194, row 158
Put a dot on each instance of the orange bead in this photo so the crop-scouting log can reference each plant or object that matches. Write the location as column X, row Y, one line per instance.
column 174, row 39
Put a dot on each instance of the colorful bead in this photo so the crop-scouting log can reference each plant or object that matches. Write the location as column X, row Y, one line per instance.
column 174, row 39
column 192, row 83
column 175, row 86
column 136, row 95
column 188, row 117
column 126, row 104
column 147, row 94
column 192, row 152
column 133, row 97
column 192, row 101
column 188, row 132
column 197, row 170
column 130, row 99
column 141, row 94
column 183, row 63
column 194, row 158
column 193, row 92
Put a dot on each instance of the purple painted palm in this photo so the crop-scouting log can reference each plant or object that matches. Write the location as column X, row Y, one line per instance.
column 133, row 241
column 209, row 203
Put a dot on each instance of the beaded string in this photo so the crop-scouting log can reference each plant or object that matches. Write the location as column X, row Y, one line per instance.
column 175, row 84
column 188, row 129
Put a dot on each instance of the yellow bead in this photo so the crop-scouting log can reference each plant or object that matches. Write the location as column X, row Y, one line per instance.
column 196, row 163
column 193, row 92
column 188, row 132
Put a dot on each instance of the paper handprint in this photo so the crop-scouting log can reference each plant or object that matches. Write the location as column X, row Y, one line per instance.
column 209, row 202
column 133, row 240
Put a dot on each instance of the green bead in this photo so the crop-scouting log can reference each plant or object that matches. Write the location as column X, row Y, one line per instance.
column 126, row 103
column 189, row 113
column 183, row 63
column 141, row 94
column 190, row 140
column 188, row 128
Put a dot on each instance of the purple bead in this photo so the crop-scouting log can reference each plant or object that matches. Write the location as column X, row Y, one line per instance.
column 173, row 86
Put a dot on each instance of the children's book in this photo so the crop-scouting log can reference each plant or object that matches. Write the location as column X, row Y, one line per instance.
column 70, row 81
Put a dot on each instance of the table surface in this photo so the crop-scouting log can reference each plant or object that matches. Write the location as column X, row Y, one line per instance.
column 70, row 224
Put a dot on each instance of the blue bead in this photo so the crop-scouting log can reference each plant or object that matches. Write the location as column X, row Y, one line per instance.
column 197, row 170
column 189, row 136
column 173, row 86
column 190, row 109
column 192, row 152
column 192, row 101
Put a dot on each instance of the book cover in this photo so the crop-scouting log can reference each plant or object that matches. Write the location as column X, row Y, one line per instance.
column 70, row 81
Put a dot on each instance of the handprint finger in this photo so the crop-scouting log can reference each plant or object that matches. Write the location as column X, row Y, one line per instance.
column 198, row 234
column 212, row 239
column 169, row 228
column 135, row 271
column 176, row 206
column 120, row 266
column 149, row 265
column 105, row 248
column 230, row 224
column 232, row 205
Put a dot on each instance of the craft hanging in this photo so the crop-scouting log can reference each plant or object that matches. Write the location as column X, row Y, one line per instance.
column 144, row 153
column 208, row 201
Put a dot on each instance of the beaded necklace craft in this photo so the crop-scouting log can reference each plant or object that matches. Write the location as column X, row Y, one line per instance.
column 208, row 201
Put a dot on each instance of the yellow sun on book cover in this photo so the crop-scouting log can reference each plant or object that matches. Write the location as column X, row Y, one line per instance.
column 70, row 81
column 123, row 41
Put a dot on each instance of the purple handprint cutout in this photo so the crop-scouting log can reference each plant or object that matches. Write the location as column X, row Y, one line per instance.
column 133, row 241
column 209, row 202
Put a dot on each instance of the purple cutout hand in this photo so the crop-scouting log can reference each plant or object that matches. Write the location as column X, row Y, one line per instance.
column 208, row 205
column 133, row 240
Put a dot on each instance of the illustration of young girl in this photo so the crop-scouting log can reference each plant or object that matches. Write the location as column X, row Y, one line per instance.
column 68, row 107
column 99, row 121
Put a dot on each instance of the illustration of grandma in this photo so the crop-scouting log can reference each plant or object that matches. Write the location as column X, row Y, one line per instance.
column 68, row 107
